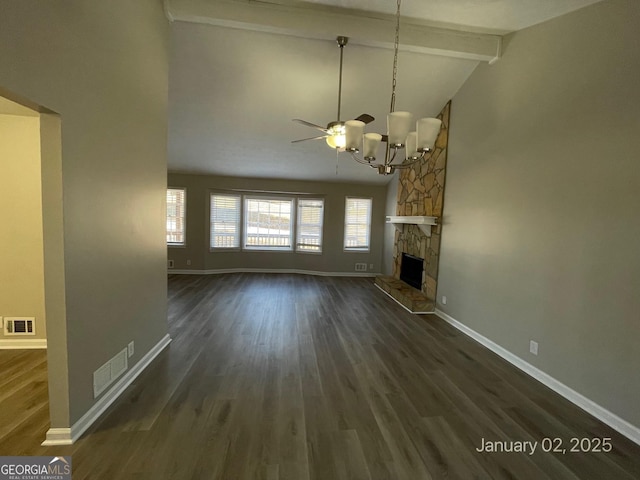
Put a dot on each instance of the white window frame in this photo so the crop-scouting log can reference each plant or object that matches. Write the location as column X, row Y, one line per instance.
column 182, row 217
column 237, row 222
column 300, row 246
column 367, row 225
column 246, row 219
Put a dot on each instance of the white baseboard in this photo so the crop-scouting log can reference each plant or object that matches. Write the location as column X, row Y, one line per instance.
column 22, row 343
column 270, row 270
column 58, row 436
column 66, row 436
column 625, row 428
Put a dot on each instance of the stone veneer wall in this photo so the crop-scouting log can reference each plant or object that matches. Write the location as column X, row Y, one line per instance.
column 421, row 192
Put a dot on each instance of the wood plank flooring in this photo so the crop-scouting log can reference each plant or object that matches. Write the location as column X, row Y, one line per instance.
column 24, row 400
column 316, row 378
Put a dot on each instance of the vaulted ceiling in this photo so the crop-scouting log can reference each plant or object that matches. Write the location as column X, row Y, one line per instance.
column 240, row 71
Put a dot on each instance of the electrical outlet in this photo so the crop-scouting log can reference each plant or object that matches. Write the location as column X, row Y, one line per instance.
column 188, row 262
column 170, row 263
column 444, row 300
column 130, row 349
column 361, row 267
column 533, row 347
column 371, row 266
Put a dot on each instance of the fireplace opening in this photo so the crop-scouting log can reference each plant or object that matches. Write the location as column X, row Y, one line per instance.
column 411, row 270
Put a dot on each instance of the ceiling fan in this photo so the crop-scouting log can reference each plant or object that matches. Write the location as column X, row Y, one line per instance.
column 334, row 133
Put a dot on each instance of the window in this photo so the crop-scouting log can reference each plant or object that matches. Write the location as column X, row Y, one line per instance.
column 309, row 228
column 265, row 223
column 268, row 223
column 357, row 224
column 225, row 221
column 176, row 203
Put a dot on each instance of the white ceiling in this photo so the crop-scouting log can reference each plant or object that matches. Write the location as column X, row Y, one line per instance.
column 241, row 71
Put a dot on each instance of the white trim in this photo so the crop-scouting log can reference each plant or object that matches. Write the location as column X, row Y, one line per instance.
column 625, row 428
column 396, row 300
column 58, row 436
column 271, row 270
column 423, row 223
column 320, row 22
column 21, row 343
column 66, row 436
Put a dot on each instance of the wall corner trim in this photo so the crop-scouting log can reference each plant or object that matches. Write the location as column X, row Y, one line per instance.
column 20, row 343
column 620, row 425
column 67, row 436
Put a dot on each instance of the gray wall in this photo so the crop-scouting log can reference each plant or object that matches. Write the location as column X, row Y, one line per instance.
column 103, row 67
column 332, row 259
column 541, row 226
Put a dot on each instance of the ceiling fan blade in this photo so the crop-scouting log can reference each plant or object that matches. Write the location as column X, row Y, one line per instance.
column 312, row 138
column 365, row 117
column 309, row 124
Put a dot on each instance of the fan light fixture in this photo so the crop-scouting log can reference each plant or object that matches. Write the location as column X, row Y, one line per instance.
column 334, row 133
column 416, row 144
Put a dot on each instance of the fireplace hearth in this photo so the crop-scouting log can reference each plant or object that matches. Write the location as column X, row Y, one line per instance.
column 411, row 270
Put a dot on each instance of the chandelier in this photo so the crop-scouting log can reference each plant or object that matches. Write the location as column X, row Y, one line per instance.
column 403, row 147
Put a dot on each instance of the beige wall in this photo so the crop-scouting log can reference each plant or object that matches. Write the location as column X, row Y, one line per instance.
column 333, row 259
column 541, row 225
column 21, row 260
column 103, row 67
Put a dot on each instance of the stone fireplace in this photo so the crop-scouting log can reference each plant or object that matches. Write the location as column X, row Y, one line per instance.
column 421, row 193
column 411, row 269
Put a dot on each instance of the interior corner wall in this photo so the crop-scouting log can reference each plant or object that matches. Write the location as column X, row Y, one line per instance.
column 543, row 189
column 103, row 67
column 21, row 260
column 391, row 206
column 333, row 258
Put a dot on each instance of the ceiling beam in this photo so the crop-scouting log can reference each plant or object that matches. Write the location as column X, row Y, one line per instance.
column 317, row 21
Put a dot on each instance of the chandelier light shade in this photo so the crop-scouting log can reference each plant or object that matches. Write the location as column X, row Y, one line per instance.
column 370, row 143
column 398, row 126
column 354, row 130
column 411, row 147
column 399, row 135
column 427, row 132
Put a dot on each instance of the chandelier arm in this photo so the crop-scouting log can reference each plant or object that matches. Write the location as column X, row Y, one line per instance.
column 360, row 160
column 388, row 161
column 387, row 152
column 407, row 164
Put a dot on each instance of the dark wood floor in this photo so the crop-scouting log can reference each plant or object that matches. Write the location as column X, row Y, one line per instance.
column 300, row 377
column 24, row 400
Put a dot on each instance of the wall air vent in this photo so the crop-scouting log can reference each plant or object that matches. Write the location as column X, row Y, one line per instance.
column 19, row 326
column 109, row 372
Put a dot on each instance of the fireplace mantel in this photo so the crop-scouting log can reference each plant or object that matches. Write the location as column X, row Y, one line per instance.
column 424, row 223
